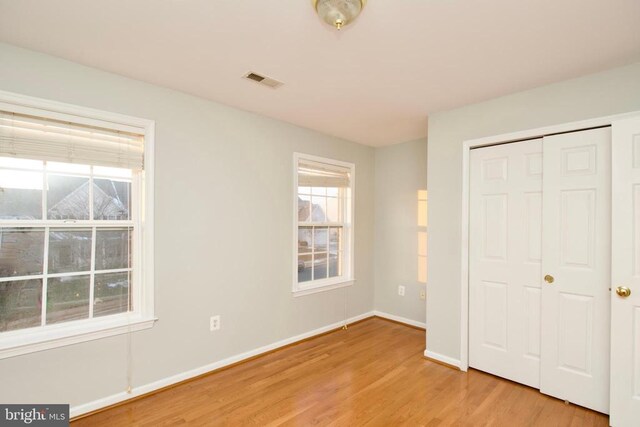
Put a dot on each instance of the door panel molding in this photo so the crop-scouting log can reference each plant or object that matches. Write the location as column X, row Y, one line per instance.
column 506, row 138
column 630, row 252
column 505, row 280
column 625, row 311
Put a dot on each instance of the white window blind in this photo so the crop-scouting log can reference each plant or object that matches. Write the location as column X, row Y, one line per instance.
column 317, row 174
column 41, row 138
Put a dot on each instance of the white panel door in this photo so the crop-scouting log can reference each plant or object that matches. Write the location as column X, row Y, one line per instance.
column 625, row 310
column 577, row 254
column 505, row 260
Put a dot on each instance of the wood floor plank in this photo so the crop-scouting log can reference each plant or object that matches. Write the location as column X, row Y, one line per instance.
column 372, row 374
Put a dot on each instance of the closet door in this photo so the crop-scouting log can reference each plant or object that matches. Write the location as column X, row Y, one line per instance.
column 505, row 259
column 576, row 263
column 625, row 309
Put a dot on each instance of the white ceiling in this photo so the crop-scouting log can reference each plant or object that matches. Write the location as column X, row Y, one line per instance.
column 375, row 82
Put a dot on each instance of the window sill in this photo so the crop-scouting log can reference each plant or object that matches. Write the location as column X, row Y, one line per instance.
column 16, row 343
column 322, row 287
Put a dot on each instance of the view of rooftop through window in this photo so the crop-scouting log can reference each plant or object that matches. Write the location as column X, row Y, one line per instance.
column 323, row 220
column 318, row 246
column 65, row 242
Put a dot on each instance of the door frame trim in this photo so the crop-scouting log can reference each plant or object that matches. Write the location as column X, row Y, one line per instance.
column 505, row 138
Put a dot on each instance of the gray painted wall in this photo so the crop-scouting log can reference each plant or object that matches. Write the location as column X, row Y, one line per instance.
column 401, row 170
column 215, row 254
column 611, row 92
column 223, row 235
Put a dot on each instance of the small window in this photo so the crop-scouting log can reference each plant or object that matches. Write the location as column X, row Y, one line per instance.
column 323, row 224
column 72, row 245
column 422, row 236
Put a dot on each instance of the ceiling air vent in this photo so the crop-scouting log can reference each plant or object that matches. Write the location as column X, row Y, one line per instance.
column 263, row 80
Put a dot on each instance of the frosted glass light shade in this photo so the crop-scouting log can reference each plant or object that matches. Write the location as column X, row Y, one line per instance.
column 338, row 12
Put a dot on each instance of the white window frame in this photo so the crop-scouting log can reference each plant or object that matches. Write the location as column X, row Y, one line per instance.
column 347, row 278
column 17, row 342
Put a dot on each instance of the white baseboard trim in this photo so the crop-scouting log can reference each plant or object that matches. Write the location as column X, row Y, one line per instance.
column 400, row 319
column 143, row 389
column 442, row 358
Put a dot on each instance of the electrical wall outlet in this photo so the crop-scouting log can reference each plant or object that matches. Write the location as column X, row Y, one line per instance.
column 214, row 323
column 401, row 290
column 423, row 294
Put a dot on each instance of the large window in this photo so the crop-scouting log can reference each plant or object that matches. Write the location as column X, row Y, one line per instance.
column 71, row 218
column 323, row 223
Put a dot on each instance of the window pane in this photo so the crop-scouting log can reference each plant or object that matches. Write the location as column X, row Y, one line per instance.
column 305, row 241
column 68, row 167
column 11, row 162
column 67, row 197
column 105, row 171
column 332, row 191
column 69, row 250
column 111, row 294
column 422, row 243
column 319, row 207
column 422, row 213
column 319, row 191
column 335, row 264
column 320, row 239
column 304, row 190
column 20, row 195
column 67, row 298
column 319, row 266
column 304, row 208
column 20, row 304
column 111, row 199
column 333, row 212
column 21, row 251
column 304, row 268
column 113, row 248
column 335, row 239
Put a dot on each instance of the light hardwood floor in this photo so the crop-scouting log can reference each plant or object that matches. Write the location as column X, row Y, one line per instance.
column 371, row 374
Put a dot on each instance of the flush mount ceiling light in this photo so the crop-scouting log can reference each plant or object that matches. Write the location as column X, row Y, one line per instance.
column 338, row 12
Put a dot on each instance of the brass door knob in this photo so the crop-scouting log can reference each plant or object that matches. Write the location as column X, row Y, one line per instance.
column 623, row 291
column 549, row 279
